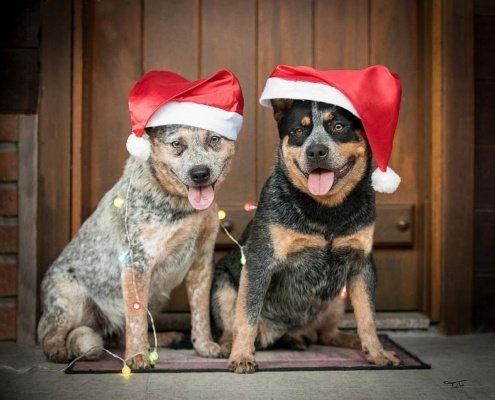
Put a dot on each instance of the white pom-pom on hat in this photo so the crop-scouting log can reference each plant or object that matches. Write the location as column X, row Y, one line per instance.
column 385, row 182
column 138, row 147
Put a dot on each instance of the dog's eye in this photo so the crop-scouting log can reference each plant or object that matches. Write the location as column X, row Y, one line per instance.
column 176, row 144
column 214, row 139
column 298, row 131
column 338, row 127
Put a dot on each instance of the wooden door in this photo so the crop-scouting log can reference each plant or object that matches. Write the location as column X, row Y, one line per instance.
column 123, row 40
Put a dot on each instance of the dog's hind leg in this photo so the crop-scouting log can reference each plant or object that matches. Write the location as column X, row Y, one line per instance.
column 63, row 309
column 223, row 312
column 165, row 339
column 329, row 334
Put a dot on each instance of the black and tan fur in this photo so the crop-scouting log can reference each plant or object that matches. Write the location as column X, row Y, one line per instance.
column 88, row 293
column 302, row 249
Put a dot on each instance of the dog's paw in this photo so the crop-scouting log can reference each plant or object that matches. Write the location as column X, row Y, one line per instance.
column 139, row 361
column 225, row 349
column 206, row 348
column 242, row 364
column 166, row 339
column 59, row 355
column 382, row 358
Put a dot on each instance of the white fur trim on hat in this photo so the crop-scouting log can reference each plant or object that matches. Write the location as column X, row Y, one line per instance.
column 385, row 182
column 278, row 88
column 225, row 123
column 138, row 147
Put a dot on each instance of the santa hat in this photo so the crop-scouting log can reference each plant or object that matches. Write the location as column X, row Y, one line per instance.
column 371, row 94
column 164, row 98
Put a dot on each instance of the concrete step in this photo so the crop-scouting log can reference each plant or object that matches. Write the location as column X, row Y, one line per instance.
column 384, row 321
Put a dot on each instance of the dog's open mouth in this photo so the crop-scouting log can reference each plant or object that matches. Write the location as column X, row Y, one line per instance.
column 321, row 181
column 201, row 197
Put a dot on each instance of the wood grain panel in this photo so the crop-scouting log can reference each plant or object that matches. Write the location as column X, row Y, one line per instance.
column 9, row 127
column 54, row 127
column 398, row 281
column 458, row 149
column 171, row 36
column 8, row 199
column 115, row 65
column 284, row 37
column 229, row 41
column 394, row 43
column 8, row 279
column 334, row 50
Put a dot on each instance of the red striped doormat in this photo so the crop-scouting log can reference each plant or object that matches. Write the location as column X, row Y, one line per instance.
column 183, row 359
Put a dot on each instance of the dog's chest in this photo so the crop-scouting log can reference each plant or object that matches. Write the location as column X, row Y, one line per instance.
column 171, row 249
column 300, row 289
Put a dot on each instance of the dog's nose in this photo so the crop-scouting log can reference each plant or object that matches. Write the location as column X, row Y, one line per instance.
column 316, row 152
column 200, row 174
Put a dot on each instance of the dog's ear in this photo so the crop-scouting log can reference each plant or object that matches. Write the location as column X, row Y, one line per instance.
column 280, row 107
column 157, row 131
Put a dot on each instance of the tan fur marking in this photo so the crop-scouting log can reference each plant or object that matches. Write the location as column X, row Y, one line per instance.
column 328, row 332
column 306, row 121
column 286, row 241
column 361, row 303
column 291, row 155
column 353, row 149
column 361, row 240
column 163, row 174
column 241, row 358
column 227, row 297
column 363, row 312
column 328, row 116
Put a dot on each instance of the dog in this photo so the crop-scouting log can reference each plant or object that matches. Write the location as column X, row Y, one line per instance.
column 310, row 239
column 90, row 295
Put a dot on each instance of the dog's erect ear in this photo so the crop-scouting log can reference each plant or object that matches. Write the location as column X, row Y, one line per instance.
column 157, row 131
column 153, row 131
column 280, row 107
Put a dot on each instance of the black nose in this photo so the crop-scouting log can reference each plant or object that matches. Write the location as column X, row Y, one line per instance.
column 200, row 174
column 316, row 152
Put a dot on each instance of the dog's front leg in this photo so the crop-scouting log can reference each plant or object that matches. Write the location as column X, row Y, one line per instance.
column 198, row 286
column 135, row 287
column 361, row 293
column 248, row 307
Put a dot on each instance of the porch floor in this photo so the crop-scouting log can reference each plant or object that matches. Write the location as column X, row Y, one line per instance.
column 469, row 358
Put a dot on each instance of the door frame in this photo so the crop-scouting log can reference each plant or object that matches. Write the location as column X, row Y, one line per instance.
column 448, row 34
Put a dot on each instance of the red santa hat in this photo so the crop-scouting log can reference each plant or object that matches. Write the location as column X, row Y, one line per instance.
column 164, row 98
column 372, row 94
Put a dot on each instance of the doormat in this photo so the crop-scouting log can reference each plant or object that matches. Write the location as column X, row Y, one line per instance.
column 182, row 358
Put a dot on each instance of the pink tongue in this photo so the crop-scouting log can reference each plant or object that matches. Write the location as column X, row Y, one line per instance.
column 201, row 197
column 320, row 181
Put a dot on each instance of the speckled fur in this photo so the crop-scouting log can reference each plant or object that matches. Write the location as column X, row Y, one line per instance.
column 302, row 249
column 87, row 285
